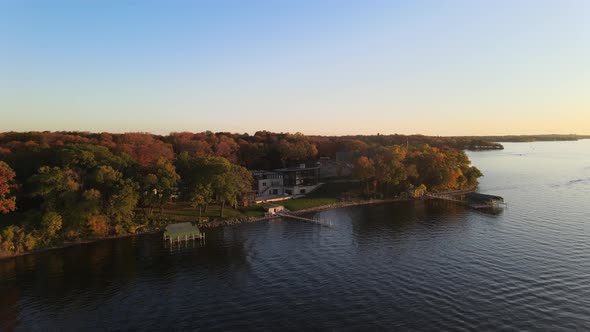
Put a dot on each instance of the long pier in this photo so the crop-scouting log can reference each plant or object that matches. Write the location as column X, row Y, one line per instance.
column 469, row 198
column 453, row 197
column 309, row 220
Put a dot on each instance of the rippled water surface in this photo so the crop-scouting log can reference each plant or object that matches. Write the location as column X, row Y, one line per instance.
column 419, row 266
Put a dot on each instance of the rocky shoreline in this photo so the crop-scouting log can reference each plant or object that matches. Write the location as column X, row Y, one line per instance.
column 352, row 203
column 238, row 221
column 343, row 204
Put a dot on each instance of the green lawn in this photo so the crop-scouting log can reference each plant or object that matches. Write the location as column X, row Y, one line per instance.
column 182, row 211
column 329, row 193
column 306, row 203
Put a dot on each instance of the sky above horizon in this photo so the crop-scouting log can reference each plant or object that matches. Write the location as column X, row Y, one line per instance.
column 316, row 67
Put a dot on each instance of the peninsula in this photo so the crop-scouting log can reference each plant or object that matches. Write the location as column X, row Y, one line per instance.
column 67, row 187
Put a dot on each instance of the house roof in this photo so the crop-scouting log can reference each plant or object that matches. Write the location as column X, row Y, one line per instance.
column 294, row 169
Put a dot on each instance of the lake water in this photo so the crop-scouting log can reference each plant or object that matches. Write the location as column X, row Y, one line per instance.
column 407, row 266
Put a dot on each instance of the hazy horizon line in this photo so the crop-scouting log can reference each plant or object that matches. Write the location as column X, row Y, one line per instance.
column 276, row 132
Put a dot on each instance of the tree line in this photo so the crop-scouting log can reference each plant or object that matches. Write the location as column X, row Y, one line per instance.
column 50, row 194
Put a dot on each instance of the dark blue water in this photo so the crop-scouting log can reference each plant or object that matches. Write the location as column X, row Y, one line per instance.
column 406, row 266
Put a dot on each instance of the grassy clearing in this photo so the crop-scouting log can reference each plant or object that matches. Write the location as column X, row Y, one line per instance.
column 329, row 193
column 306, row 203
column 255, row 210
column 182, row 211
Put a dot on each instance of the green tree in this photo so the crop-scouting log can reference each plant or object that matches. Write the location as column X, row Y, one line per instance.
column 117, row 197
column 231, row 182
column 158, row 183
column 121, row 206
column 205, row 178
column 201, row 196
column 51, row 223
column 57, row 186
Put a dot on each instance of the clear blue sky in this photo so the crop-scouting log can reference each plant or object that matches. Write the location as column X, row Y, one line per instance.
column 317, row 67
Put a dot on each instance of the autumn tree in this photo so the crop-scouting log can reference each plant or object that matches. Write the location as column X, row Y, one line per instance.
column 384, row 167
column 364, row 170
column 15, row 239
column 195, row 145
column 7, row 202
column 390, row 168
column 51, row 223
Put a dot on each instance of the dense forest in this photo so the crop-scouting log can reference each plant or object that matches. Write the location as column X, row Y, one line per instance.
column 66, row 186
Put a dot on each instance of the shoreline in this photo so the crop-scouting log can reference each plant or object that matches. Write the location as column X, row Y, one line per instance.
column 221, row 223
column 233, row 222
column 353, row 203
column 78, row 242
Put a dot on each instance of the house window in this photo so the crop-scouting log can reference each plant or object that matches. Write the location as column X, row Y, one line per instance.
column 264, row 184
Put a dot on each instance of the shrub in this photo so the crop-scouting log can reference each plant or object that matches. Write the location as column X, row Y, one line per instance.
column 51, row 223
column 98, row 225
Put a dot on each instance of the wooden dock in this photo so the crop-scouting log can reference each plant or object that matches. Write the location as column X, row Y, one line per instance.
column 471, row 199
column 308, row 220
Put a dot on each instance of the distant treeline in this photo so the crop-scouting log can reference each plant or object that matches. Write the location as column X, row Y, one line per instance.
column 527, row 138
column 263, row 150
column 64, row 186
column 330, row 145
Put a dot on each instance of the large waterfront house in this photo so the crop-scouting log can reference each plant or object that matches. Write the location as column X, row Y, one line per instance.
column 285, row 182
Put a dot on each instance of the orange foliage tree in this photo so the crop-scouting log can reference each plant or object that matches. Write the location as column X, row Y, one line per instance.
column 7, row 203
column 98, row 225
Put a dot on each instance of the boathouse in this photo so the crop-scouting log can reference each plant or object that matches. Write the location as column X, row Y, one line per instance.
column 182, row 232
